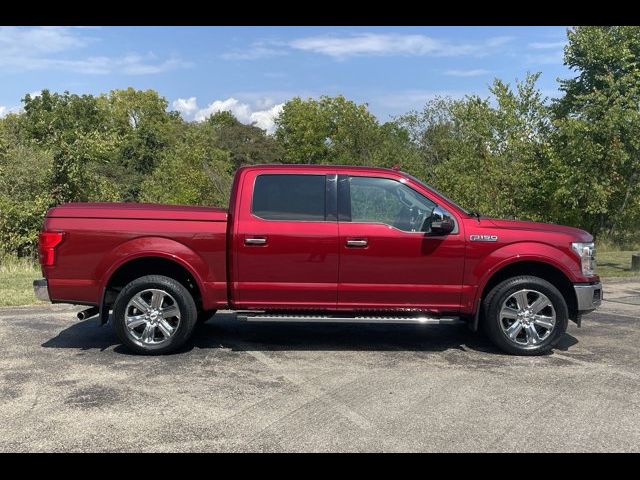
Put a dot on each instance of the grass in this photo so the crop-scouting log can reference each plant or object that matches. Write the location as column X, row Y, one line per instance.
column 17, row 274
column 615, row 263
column 16, row 281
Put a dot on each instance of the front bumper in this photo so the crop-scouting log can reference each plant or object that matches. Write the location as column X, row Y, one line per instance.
column 41, row 290
column 588, row 296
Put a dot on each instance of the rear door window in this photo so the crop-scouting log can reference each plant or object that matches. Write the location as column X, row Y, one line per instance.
column 289, row 197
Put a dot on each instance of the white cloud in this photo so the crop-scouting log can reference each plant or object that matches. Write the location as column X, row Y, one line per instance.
column 134, row 64
column 393, row 44
column 547, row 45
column 368, row 44
column 551, row 52
column 549, row 58
column 264, row 102
column 186, row 106
column 4, row 110
column 467, row 73
column 17, row 41
column 265, row 119
column 261, row 114
column 131, row 64
column 54, row 48
column 241, row 111
column 256, row 51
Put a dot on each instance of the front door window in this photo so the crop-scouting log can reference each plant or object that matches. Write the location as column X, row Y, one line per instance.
column 383, row 200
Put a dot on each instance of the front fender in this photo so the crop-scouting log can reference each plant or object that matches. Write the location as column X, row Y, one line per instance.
column 521, row 252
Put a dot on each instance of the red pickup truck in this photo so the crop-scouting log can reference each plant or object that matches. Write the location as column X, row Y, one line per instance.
column 317, row 244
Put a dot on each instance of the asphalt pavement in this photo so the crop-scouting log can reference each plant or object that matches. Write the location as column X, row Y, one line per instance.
column 67, row 385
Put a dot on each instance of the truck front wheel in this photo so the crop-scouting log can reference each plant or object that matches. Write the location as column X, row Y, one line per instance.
column 154, row 315
column 525, row 315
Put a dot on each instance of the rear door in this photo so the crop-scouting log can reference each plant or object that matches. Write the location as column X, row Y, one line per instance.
column 286, row 241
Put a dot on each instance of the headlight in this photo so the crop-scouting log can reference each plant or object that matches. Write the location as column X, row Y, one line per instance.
column 586, row 252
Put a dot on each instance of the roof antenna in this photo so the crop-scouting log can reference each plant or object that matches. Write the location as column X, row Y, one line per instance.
column 396, row 168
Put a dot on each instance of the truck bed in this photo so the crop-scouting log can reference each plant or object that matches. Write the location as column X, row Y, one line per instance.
column 138, row 211
column 100, row 237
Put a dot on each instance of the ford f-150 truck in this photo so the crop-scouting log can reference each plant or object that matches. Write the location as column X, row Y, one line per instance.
column 303, row 243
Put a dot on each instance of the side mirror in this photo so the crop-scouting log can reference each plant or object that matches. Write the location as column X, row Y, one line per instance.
column 438, row 223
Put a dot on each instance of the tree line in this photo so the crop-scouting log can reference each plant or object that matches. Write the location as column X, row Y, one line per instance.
column 573, row 160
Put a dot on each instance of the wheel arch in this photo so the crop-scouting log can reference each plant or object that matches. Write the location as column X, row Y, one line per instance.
column 128, row 262
column 533, row 267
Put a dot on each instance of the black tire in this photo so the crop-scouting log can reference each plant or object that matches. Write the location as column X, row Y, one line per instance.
column 187, row 311
column 494, row 326
column 204, row 315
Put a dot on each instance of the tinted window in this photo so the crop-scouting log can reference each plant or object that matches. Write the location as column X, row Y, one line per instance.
column 289, row 197
column 382, row 200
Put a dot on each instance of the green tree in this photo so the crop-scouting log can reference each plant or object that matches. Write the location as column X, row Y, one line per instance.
column 303, row 130
column 193, row 171
column 103, row 147
column 430, row 132
column 67, row 147
column 144, row 130
column 24, row 197
column 489, row 154
column 393, row 148
column 69, row 126
column 245, row 144
column 597, row 142
column 334, row 130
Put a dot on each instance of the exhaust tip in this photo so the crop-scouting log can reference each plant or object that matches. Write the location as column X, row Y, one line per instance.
column 88, row 313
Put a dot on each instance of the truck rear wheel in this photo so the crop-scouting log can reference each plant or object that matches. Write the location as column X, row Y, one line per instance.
column 154, row 315
column 525, row 315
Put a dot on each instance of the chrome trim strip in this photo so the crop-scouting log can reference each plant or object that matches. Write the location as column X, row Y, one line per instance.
column 265, row 317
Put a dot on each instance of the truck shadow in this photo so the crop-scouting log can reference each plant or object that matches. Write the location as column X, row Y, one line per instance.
column 225, row 332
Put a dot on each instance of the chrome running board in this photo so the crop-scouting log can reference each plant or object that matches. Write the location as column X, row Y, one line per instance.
column 417, row 320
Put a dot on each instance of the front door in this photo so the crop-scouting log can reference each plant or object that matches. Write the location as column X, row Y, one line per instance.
column 385, row 258
column 286, row 242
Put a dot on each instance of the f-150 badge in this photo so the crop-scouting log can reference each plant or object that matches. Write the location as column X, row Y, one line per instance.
column 483, row 238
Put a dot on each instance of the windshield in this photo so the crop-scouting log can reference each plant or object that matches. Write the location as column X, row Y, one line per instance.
column 467, row 212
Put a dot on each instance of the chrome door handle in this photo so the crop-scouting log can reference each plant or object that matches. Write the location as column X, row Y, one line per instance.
column 357, row 243
column 255, row 241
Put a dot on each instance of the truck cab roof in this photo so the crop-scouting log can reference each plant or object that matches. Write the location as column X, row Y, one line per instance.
column 322, row 168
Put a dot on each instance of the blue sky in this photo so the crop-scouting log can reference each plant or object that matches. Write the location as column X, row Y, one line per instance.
column 253, row 70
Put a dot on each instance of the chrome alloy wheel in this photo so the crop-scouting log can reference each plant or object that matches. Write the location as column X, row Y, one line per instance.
column 527, row 317
column 152, row 317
